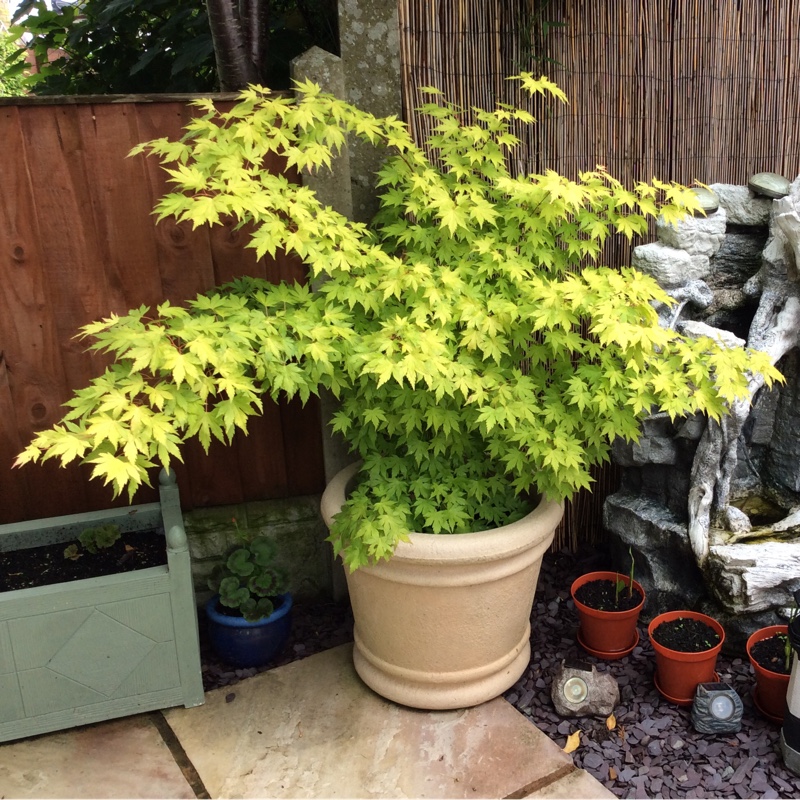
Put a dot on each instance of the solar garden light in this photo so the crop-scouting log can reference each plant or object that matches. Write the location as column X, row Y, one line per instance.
column 717, row 708
column 790, row 732
column 579, row 690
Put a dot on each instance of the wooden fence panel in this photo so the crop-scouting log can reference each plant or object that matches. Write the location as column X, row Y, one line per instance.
column 78, row 242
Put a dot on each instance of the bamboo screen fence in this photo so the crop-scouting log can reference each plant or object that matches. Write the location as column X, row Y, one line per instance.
column 78, row 242
column 684, row 90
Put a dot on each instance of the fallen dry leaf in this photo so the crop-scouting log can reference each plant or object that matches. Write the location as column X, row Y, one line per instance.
column 573, row 742
column 612, row 773
column 611, row 722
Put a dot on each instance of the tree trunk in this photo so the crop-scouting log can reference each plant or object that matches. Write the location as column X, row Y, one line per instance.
column 236, row 67
column 255, row 20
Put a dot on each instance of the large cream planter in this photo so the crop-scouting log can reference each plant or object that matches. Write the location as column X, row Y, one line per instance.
column 445, row 622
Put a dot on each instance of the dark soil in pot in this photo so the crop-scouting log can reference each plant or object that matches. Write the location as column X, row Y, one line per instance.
column 770, row 653
column 686, row 635
column 47, row 564
column 602, row 595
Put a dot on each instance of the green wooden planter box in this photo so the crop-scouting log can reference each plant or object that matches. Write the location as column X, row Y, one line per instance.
column 90, row 650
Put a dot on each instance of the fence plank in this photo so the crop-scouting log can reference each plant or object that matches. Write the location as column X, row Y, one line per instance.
column 33, row 377
column 78, row 241
column 177, row 245
column 15, row 490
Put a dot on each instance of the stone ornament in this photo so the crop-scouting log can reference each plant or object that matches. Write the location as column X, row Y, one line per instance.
column 741, row 206
column 698, row 236
column 579, row 690
column 693, row 494
column 708, row 199
column 670, row 267
column 695, row 294
column 717, row 709
column 769, row 184
column 698, row 329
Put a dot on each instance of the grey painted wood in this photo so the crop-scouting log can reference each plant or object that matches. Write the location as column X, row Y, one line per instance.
column 96, row 649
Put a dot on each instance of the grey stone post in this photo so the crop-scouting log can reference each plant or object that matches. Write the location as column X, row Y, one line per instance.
column 333, row 188
column 369, row 35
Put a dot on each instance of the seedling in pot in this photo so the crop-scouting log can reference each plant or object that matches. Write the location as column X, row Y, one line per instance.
column 787, row 650
column 686, row 635
column 72, row 552
column 248, row 580
column 621, row 583
column 787, row 641
column 92, row 540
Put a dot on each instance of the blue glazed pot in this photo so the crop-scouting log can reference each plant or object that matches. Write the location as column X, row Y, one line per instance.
column 249, row 644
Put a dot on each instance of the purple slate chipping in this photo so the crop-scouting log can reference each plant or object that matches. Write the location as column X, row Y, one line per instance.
column 645, row 722
column 593, row 761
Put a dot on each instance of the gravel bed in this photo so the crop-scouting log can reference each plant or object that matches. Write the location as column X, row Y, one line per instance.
column 652, row 752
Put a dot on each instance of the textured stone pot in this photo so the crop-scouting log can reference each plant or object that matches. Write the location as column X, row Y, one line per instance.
column 770, row 692
column 445, row 622
column 90, row 650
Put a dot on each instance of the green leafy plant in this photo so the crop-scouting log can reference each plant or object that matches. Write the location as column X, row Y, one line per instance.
column 534, row 26
column 129, row 46
column 139, row 46
column 72, row 552
column 478, row 352
column 620, row 584
column 11, row 85
column 787, row 650
column 248, row 579
column 94, row 539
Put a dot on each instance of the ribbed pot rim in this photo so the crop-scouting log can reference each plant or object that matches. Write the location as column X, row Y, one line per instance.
column 758, row 636
column 680, row 655
column 240, row 622
column 487, row 545
column 600, row 576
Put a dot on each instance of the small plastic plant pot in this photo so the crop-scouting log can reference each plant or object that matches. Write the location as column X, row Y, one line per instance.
column 771, row 687
column 678, row 673
column 607, row 634
column 249, row 644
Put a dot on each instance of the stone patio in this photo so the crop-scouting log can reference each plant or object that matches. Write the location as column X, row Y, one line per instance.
column 310, row 729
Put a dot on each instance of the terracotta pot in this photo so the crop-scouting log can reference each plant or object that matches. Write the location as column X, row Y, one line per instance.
column 445, row 622
column 771, row 687
column 607, row 634
column 677, row 673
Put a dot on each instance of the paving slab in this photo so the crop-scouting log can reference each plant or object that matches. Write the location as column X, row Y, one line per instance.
column 121, row 758
column 577, row 785
column 312, row 729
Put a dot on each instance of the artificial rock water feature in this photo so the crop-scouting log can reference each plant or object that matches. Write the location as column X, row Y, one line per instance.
column 712, row 511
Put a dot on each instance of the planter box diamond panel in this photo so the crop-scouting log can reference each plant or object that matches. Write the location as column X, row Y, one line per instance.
column 89, row 650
